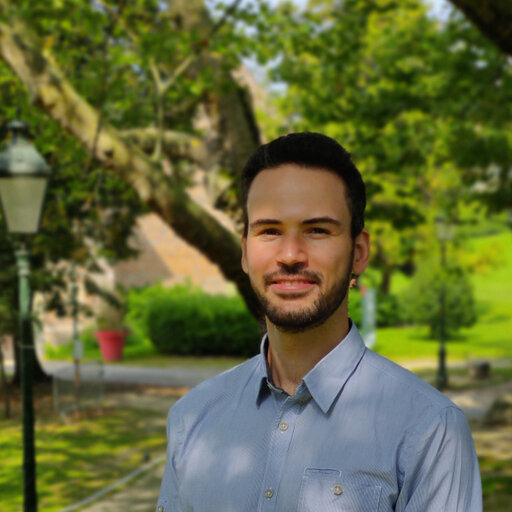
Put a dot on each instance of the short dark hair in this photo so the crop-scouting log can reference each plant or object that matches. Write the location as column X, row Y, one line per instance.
column 309, row 149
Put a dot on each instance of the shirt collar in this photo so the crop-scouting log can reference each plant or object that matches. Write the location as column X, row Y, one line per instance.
column 328, row 377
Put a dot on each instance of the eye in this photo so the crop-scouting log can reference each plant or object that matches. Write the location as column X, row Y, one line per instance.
column 318, row 231
column 269, row 232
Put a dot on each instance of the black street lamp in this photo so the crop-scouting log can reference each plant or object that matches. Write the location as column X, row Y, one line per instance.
column 24, row 176
column 444, row 232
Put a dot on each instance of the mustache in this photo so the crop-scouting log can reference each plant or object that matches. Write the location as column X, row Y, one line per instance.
column 285, row 272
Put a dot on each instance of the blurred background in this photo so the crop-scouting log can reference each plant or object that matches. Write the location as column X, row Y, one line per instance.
column 146, row 112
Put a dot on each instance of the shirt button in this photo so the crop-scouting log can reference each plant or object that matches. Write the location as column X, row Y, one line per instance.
column 160, row 508
column 337, row 489
column 283, row 426
column 269, row 493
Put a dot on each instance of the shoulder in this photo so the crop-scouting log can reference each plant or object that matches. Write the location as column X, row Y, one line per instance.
column 222, row 387
column 426, row 422
column 403, row 403
column 403, row 384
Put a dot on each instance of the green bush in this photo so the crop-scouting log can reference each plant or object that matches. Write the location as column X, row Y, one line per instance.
column 184, row 320
column 138, row 304
column 421, row 302
column 355, row 306
column 389, row 312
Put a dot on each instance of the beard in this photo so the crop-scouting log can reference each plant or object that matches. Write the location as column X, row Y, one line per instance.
column 307, row 317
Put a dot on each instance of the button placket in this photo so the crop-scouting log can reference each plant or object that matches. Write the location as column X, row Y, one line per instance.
column 281, row 437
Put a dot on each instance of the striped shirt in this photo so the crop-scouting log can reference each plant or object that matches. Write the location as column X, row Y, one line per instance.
column 360, row 434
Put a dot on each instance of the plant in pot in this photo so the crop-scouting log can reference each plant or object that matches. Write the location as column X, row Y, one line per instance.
column 111, row 332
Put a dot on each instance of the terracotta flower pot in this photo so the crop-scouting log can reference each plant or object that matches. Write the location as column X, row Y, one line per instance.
column 111, row 344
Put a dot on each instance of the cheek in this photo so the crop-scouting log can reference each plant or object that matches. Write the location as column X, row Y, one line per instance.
column 331, row 261
column 327, row 254
column 257, row 258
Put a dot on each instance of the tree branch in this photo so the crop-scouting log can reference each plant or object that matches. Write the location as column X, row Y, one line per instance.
column 157, row 153
column 175, row 145
column 51, row 92
column 492, row 17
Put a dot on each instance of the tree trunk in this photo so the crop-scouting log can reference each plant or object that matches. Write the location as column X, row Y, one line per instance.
column 51, row 92
column 385, row 282
column 492, row 17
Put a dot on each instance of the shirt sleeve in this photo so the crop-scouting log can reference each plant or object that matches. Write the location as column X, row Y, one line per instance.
column 168, row 500
column 441, row 470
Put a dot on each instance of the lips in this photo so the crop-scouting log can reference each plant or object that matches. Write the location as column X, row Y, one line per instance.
column 294, row 283
column 292, row 286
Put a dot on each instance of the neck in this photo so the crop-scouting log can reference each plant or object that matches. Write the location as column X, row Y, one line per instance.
column 292, row 355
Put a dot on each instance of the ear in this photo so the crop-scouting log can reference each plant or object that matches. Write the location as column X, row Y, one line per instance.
column 245, row 267
column 361, row 252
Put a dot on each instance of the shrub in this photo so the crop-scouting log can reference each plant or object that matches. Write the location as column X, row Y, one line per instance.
column 388, row 310
column 421, row 302
column 185, row 320
column 138, row 305
column 355, row 306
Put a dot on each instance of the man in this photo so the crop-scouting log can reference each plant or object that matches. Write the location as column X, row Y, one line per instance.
column 316, row 422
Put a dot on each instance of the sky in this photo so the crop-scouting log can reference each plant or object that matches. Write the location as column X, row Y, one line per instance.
column 439, row 9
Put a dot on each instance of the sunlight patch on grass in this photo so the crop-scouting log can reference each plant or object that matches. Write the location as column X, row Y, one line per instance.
column 76, row 460
column 490, row 337
column 496, row 483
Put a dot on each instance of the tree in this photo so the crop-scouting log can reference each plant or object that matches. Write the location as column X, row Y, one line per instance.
column 421, row 302
column 79, row 210
column 424, row 106
column 149, row 87
column 126, row 81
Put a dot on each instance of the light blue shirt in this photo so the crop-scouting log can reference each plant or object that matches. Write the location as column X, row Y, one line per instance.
column 360, row 434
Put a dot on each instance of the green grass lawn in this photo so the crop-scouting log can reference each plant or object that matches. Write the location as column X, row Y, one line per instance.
column 496, row 483
column 78, row 459
column 491, row 336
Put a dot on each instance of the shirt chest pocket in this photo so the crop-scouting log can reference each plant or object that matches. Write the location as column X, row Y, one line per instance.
column 323, row 490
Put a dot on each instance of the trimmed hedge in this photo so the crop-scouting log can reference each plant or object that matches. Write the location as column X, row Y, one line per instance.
column 184, row 320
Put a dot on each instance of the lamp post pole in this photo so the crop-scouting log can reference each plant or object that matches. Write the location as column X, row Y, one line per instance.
column 27, row 348
column 442, row 376
column 24, row 176
column 444, row 231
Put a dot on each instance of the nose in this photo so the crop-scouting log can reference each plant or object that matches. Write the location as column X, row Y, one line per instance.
column 292, row 251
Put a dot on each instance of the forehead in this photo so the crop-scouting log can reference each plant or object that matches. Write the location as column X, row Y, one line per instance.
column 294, row 190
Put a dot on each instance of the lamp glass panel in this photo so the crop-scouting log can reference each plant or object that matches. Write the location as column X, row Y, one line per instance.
column 22, row 201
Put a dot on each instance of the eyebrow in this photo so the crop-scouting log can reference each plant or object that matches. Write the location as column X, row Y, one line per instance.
column 315, row 220
column 322, row 220
column 263, row 222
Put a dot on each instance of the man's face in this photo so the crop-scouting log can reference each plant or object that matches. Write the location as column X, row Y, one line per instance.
column 298, row 251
